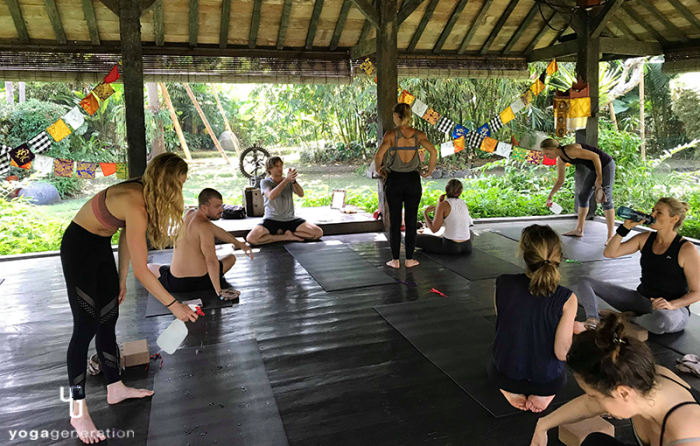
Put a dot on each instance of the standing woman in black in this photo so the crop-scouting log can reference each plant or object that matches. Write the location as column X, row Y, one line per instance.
column 150, row 206
column 403, row 185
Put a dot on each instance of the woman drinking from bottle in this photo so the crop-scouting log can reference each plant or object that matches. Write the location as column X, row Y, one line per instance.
column 670, row 280
column 600, row 175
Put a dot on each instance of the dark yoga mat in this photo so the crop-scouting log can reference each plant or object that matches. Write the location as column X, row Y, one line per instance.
column 459, row 343
column 209, row 301
column 216, row 394
column 475, row 266
column 575, row 248
column 337, row 267
column 684, row 342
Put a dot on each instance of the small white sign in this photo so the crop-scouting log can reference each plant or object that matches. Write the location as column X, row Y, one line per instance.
column 503, row 149
column 517, row 105
column 447, row 148
column 419, row 107
column 74, row 118
column 43, row 164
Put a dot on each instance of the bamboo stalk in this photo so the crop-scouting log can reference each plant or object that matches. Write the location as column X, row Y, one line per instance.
column 206, row 123
column 223, row 114
column 176, row 123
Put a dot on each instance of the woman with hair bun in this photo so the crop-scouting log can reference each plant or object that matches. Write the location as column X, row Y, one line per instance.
column 403, row 187
column 534, row 324
column 620, row 377
column 151, row 206
column 457, row 237
column 670, row 280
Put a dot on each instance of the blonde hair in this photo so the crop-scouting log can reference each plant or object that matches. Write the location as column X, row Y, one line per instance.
column 454, row 188
column 550, row 143
column 676, row 207
column 542, row 252
column 162, row 194
column 405, row 114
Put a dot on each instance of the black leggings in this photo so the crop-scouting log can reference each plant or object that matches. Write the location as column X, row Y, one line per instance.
column 403, row 190
column 523, row 386
column 598, row 439
column 93, row 293
column 442, row 245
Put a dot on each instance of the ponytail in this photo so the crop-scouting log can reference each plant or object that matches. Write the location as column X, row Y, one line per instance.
column 542, row 252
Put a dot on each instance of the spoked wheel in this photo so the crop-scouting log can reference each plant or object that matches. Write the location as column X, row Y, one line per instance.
column 252, row 161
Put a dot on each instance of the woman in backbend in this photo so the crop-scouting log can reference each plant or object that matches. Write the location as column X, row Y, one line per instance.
column 670, row 280
column 534, row 324
column 150, row 206
column 403, row 187
column 600, row 173
column 620, row 378
column 457, row 237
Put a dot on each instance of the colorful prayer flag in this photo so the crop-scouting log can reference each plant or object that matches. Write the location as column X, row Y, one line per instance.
column 43, row 164
column 447, row 148
column 579, row 108
column 74, row 118
column 62, row 168
column 367, row 66
column 484, row 130
column 517, row 105
column 4, row 159
column 519, row 154
column 459, row 144
column 431, row 116
column 535, row 157
column 419, row 107
column 89, row 104
column 507, row 115
column 86, row 170
column 40, row 143
column 108, row 168
column 21, row 155
column 503, row 149
column 103, row 91
column 526, row 98
column 112, row 76
column 445, row 125
column 474, row 139
column 496, row 124
column 406, row 97
column 459, row 131
column 488, row 144
column 122, row 171
column 537, row 87
column 552, row 67
column 58, row 130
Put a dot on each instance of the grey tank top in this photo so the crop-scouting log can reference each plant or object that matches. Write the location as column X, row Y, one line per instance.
column 394, row 163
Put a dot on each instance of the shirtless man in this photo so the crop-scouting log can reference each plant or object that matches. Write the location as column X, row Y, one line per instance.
column 279, row 223
column 195, row 266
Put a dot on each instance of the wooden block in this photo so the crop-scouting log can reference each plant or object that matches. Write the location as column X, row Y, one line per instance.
column 573, row 434
column 635, row 331
column 135, row 353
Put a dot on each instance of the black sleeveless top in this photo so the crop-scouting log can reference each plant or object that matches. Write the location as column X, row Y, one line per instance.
column 604, row 157
column 526, row 327
column 661, row 274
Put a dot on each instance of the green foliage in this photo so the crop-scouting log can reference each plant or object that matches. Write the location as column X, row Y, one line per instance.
column 23, row 230
column 686, row 104
column 66, row 187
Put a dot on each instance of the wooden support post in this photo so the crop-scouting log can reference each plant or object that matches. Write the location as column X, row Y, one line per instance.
column 387, row 81
column 643, row 147
column 176, row 122
column 223, row 115
column 132, row 75
column 206, row 123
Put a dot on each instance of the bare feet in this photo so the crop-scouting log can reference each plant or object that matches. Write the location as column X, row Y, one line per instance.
column 538, row 403
column 288, row 235
column 516, row 400
column 574, row 233
column 83, row 425
column 118, row 392
column 411, row 263
column 393, row 264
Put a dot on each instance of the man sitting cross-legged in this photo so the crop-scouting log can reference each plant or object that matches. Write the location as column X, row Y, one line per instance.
column 279, row 223
column 195, row 266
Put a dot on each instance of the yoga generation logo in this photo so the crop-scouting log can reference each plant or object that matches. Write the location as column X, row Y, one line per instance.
column 55, row 434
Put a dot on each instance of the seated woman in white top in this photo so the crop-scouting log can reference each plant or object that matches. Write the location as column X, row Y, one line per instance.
column 452, row 213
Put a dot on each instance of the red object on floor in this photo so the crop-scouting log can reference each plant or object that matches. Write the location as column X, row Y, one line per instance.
column 156, row 356
column 433, row 290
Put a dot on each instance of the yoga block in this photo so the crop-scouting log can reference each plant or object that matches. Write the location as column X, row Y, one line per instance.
column 573, row 434
column 135, row 353
column 635, row 331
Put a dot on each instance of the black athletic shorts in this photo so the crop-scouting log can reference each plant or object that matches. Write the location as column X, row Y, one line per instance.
column 186, row 284
column 274, row 225
column 523, row 386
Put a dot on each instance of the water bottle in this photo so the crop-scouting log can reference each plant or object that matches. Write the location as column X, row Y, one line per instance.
column 626, row 213
column 172, row 337
column 556, row 208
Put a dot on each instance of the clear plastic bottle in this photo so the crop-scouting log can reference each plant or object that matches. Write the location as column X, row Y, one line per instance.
column 556, row 208
column 172, row 337
column 626, row 213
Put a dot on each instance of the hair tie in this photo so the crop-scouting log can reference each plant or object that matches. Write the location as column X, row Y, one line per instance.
column 617, row 340
column 547, row 262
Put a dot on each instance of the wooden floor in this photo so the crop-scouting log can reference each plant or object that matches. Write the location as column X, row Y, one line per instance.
column 340, row 374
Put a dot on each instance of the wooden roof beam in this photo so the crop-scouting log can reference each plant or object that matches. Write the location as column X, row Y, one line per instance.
column 363, row 49
column 313, row 25
column 662, row 18
column 643, row 23
column 339, row 25
column 52, row 12
column 225, row 23
column 685, row 12
column 423, row 23
column 112, row 5
column 555, row 51
column 20, row 26
column 146, row 5
column 284, row 23
column 578, row 23
column 521, row 29
column 472, row 29
column 601, row 20
column 620, row 24
column 499, row 25
column 407, row 8
column 366, row 28
column 626, row 47
column 91, row 20
column 194, row 22
column 531, row 47
column 450, row 24
column 368, row 11
column 254, row 24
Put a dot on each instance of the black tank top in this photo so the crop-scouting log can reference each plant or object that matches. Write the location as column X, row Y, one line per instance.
column 526, row 327
column 662, row 276
column 604, row 157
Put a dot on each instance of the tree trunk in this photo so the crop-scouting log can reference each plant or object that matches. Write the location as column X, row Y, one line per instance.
column 613, row 117
column 158, row 143
column 643, row 148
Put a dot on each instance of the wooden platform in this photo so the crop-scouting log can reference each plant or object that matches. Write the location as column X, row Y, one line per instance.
column 340, row 374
